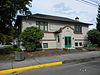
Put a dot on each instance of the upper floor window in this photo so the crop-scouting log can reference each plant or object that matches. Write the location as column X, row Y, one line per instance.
column 78, row 28
column 42, row 25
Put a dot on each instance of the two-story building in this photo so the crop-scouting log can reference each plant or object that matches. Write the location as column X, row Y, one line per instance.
column 59, row 32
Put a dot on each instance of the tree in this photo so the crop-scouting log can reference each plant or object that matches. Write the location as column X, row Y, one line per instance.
column 8, row 12
column 94, row 36
column 1, row 38
column 98, row 19
column 31, row 37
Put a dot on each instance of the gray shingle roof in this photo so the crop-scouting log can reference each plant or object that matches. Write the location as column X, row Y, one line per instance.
column 57, row 18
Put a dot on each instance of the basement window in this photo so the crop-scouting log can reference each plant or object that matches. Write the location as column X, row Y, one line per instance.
column 45, row 45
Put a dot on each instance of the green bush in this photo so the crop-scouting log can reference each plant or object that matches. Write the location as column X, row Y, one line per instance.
column 31, row 38
column 17, row 49
column 94, row 37
column 92, row 45
column 6, row 50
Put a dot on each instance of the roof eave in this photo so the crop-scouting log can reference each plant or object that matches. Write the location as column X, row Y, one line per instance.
column 72, row 21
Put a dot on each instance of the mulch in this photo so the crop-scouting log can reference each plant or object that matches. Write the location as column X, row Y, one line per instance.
column 42, row 53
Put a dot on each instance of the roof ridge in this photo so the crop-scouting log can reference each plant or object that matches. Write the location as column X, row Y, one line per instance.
column 54, row 16
column 37, row 14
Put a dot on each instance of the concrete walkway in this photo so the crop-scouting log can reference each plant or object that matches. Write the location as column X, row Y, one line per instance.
column 41, row 60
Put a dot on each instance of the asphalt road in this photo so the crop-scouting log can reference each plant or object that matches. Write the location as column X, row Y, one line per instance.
column 85, row 68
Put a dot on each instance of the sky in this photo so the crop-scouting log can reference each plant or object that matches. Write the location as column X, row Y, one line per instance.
column 68, row 8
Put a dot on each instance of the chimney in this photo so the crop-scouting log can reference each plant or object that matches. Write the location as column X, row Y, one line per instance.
column 77, row 18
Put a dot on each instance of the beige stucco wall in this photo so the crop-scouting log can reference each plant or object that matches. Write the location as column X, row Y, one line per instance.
column 49, row 36
column 51, row 44
column 28, row 23
column 84, row 33
column 53, row 26
column 58, row 44
column 50, row 39
column 81, row 37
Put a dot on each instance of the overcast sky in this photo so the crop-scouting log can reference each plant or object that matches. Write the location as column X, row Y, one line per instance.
column 68, row 8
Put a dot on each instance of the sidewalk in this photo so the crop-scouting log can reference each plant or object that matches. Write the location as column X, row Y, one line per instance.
column 41, row 60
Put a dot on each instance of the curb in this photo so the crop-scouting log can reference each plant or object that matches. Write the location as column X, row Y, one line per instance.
column 15, row 70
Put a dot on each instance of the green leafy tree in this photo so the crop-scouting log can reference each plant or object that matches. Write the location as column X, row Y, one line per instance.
column 8, row 13
column 31, row 37
column 98, row 19
column 1, row 38
column 6, row 39
column 94, row 36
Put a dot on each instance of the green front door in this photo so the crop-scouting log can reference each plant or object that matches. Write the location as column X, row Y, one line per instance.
column 67, row 42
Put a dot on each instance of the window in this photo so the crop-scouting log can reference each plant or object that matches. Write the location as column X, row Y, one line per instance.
column 58, row 39
column 76, row 43
column 80, row 43
column 45, row 45
column 42, row 25
column 78, row 28
column 46, row 28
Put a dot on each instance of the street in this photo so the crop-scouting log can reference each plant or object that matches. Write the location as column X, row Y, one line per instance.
column 85, row 68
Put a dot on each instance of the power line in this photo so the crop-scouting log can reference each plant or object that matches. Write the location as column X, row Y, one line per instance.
column 88, row 2
column 95, row 1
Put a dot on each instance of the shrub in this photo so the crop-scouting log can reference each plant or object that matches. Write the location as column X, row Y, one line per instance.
column 31, row 38
column 9, row 49
column 94, row 37
column 6, row 50
column 17, row 49
column 92, row 45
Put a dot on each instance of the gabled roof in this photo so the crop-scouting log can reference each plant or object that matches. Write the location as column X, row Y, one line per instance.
column 57, row 18
column 63, row 28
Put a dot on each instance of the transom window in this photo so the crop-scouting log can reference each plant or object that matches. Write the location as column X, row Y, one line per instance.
column 42, row 25
column 78, row 28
